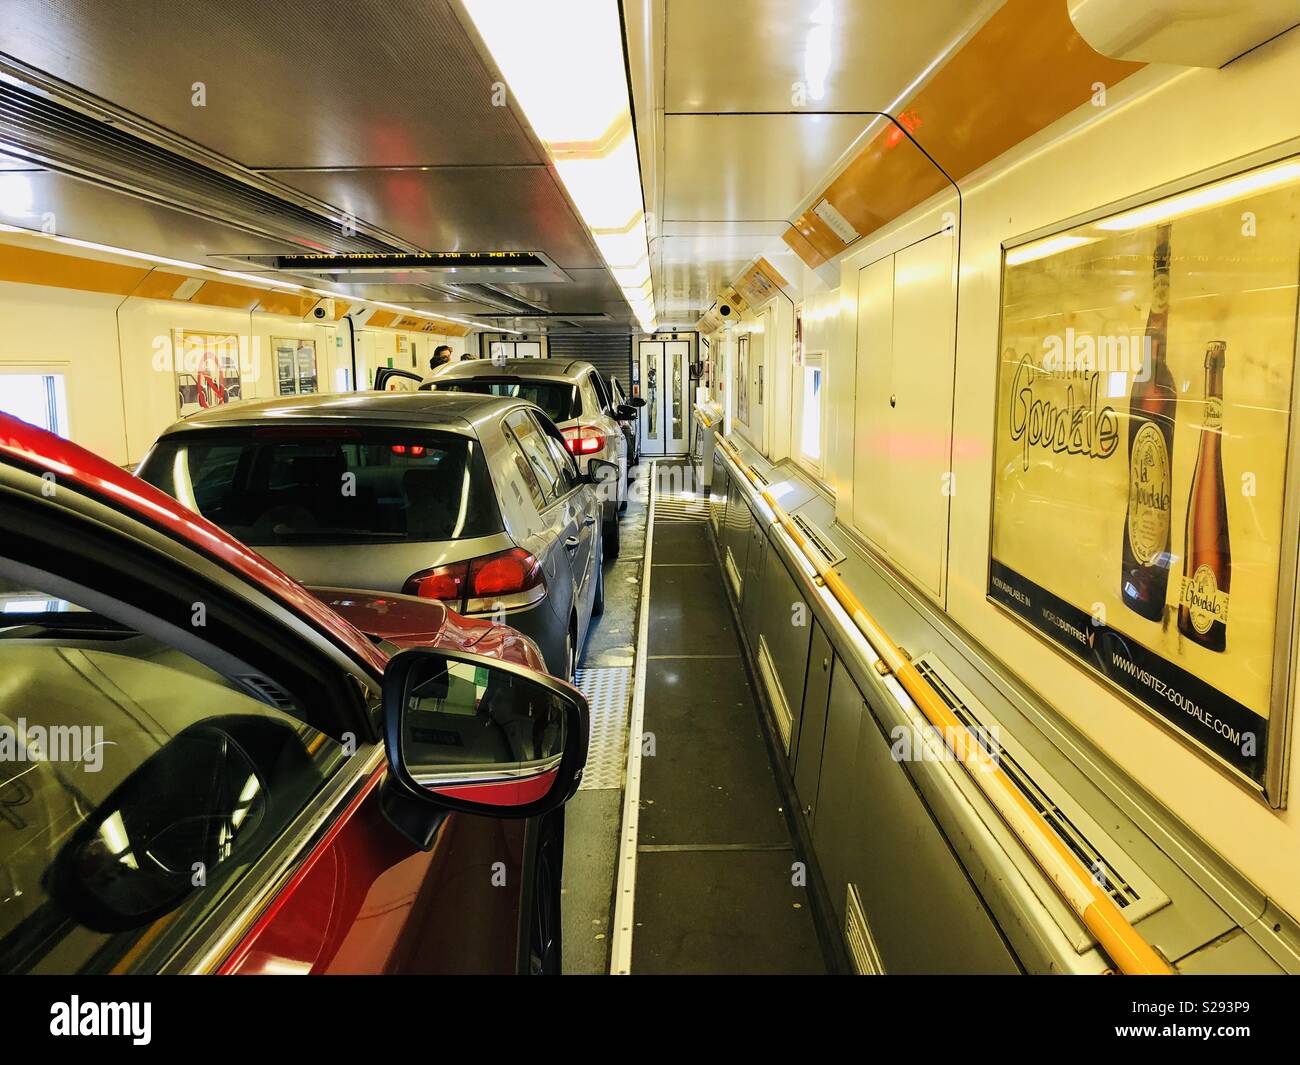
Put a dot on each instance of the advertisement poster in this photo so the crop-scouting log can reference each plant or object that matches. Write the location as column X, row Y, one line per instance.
column 207, row 370
column 1140, row 460
column 295, row 366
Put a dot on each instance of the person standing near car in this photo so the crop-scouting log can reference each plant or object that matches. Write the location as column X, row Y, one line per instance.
column 441, row 357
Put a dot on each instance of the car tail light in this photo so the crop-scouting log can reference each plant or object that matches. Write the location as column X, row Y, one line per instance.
column 414, row 450
column 443, row 582
column 584, row 440
column 513, row 578
column 508, row 573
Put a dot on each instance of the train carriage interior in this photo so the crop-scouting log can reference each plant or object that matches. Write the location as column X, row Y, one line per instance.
column 688, row 488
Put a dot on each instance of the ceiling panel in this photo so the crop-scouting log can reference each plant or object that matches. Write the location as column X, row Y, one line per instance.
column 590, row 290
column 863, row 52
column 460, row 208
column 291, row 83
column 736, row 167
column 69, row 207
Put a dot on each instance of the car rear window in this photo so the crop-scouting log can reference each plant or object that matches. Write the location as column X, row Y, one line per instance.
column 559, row 399
column 297, row 486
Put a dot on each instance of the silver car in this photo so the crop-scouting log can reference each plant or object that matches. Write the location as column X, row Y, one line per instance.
column 472, row 500
column 573, row 394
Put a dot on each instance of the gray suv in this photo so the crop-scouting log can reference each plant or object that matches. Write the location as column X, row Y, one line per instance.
column 472, row 500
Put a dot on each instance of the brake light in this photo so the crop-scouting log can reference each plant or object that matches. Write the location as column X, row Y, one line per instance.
column 584, row 440
column 415, row 450
column 481, row 582
column 444, row 582
column 504, row 574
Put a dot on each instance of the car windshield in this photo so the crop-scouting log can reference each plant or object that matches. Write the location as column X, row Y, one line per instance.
column 559, row 399
column 291, row 486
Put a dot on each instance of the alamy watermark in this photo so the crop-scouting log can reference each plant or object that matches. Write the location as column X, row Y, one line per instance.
column 67, row 744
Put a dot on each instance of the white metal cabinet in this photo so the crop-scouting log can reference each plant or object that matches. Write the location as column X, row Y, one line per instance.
column 902, row 482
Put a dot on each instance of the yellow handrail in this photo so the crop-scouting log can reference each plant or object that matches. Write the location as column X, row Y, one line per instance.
column 1125, row 946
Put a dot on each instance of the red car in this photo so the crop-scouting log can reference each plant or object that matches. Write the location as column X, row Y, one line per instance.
column 205, row 767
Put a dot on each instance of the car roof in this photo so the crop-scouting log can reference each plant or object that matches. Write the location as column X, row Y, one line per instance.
column 458, row 412
column 570, row 370
column 24, row 444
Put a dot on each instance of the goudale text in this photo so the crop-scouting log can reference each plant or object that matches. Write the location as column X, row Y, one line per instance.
column 1072, row 428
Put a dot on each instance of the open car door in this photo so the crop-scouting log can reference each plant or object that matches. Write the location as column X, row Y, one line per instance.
column 391, row 379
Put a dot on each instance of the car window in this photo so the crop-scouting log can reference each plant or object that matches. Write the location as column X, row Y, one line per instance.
column 559, row 399
column 137, row 787
column 272, row 487
column 602, row 392
column 524, row 468
column 533, row 442
column 568, row 469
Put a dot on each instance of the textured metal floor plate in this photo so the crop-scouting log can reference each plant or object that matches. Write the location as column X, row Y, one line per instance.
column 608, row 692
column 680, row 506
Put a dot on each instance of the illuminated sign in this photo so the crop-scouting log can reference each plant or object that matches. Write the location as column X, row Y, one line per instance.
column 351, row 262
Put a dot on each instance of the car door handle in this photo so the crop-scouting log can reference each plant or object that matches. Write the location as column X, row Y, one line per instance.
column 589, row 521
column 571, row 543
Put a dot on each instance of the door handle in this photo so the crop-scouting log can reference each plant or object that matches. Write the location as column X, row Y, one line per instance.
column 571, row 543
column 589, row 521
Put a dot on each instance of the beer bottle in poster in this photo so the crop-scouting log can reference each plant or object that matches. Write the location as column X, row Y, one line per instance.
column 1145, row 577
column 1207, row 556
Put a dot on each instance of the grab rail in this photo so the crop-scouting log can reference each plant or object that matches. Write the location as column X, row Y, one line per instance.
column 1123, row 944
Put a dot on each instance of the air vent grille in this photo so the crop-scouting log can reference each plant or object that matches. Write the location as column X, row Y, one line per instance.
column 759, row 476
column 857, row 936
column 269, row 692
column 1103, row 870
column 780, row 705
column 825, row 548
column 64, row 139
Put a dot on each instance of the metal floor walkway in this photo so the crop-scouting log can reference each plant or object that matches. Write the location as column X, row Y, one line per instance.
column 717, row 877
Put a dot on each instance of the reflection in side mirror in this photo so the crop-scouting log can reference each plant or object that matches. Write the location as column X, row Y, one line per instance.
column 600, row 471
column 482, row 735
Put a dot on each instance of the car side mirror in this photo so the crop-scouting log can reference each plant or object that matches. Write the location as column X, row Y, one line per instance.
column 636, row 401
column 625, row 411
column 479, row 735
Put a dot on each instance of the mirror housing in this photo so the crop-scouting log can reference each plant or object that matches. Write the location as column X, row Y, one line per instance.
column 480, row 735
column 636, row 401
column 625, row 411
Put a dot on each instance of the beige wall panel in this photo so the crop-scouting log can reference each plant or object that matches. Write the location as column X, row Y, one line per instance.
column 873, row 371
column 1181, row 125
column 52, row 330
column 146, row 329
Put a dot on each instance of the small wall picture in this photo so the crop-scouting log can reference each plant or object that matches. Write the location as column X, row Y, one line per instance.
column 295, row 366
column 207, row 370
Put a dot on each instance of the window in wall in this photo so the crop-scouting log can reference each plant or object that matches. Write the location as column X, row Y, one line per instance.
column 811, row 409
column 39, row 398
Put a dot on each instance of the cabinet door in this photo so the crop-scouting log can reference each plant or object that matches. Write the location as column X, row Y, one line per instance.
column 807, row 752
column 920, row 415
column 751, row 607
column 924, row 914
column 871, row 421
column 834, row 829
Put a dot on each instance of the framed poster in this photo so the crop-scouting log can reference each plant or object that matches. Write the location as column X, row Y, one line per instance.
column 295, row 366
column 1143, row 517
column 206, row 367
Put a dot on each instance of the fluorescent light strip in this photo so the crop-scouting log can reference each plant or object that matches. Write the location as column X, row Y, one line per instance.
column 578, row 104
column 1041, row 249
column 256, row 279
column 1208, row 196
